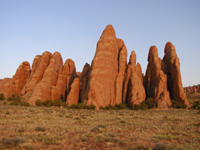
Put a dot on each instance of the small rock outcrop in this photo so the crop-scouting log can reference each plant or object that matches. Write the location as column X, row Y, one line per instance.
column 174, row 81
column 3, row 82
column 73, row 96
column 192, row 89
column 18, row 81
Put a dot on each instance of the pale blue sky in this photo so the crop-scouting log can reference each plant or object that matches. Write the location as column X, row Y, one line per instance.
column 30, row 27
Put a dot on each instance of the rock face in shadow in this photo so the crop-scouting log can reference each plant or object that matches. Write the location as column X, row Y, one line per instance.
column 156, row 80
column 174, row 81
column 122, row 62
column 83, row 81
column 101, row 87
column 18, row 81
column 134, row 92
column 65, row 79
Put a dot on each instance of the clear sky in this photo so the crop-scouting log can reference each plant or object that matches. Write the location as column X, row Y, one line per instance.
column 30, row 27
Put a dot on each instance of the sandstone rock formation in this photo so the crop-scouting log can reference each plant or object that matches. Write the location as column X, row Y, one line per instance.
column 39, row 66
column 3, row 82
column 134, row 92
column 65, row 79
column 174, row 81
column 42, row 91
column 108, row 81
column 156, row 80
column 192, row 89
column 70, row 71
column 18, row 81
column 121, row 71
column 83, row 81
column 101, row 87
column 73, row 96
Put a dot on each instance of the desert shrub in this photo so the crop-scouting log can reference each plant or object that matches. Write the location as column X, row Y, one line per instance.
column 15, row 100
column 40, row 129
column 25, row 104
column 161, row 146
column 147, row 104
column 150, row 103
column 82, row 106
column 120, row 106
column 109, row 107
column 57, row 103
column 15, row 141
column 1, row 97
column 178, row 105
column 49, row 103
column 9, row 99
column 198, row 112
column 38, row 103
column 142, row 106
column 196, row 105
column 77, row 106
column 90, row 107
column 115, row 107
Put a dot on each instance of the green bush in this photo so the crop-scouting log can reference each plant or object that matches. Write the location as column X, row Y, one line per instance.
column 178, row 105
column 1, row 97
column 196, row 105
column 49, row 103
column 77, row 106
column 38, row 103
column 142, row 106
column 25, row 104
column 15, row 100
column 90, row 107
column 120, row 106
column 147, row 104
column 109, row 107
column 115, row 107
column 82, row 106
column 150, row 103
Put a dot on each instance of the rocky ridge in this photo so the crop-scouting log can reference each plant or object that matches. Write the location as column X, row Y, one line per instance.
column 192, row 89
column 108, row 81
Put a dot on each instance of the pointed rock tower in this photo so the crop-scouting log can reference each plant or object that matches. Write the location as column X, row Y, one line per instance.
column 173, row 72
column 156, row 80
column 134, row 92
column 18, row 81
column 105, row 72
